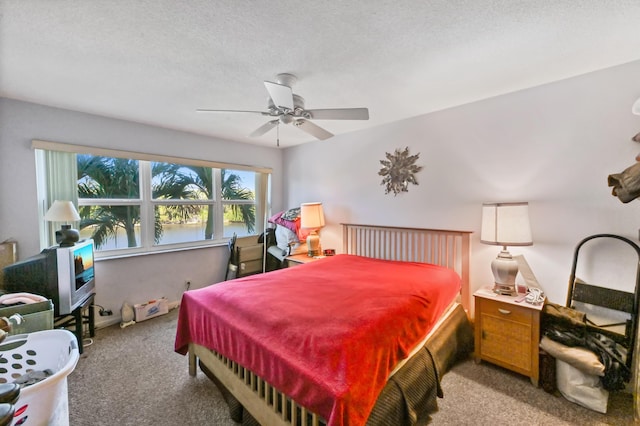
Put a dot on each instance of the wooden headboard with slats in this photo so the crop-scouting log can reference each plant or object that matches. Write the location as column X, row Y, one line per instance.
column 450, row 249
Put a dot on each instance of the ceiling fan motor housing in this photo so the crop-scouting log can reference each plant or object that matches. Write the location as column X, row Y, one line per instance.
column 298, row 107
column 286, row 107
column 286, row 79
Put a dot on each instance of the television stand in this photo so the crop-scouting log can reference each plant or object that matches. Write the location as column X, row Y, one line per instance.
column 78, row 320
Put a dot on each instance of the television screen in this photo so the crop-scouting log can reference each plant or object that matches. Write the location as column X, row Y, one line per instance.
column 75, row 275
column 83, row 265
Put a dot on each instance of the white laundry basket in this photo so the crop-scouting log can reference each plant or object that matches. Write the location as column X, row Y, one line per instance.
column 45, row 402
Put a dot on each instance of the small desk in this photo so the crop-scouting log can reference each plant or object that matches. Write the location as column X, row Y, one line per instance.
column 77, row 319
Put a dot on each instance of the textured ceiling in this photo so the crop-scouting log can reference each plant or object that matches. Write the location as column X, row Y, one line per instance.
column 157, row 61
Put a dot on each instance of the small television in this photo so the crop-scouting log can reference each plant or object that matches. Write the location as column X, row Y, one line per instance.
column 63, row 274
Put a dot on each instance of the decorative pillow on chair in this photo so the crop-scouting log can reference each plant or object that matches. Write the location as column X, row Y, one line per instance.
column 278, row 219
column 290, row 219
column 291, row 214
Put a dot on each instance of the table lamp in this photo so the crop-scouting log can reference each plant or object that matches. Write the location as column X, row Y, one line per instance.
column 312, row 217
column 64, row 211
column 505, row 224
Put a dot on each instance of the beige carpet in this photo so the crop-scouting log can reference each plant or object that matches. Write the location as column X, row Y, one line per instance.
column 131, row 376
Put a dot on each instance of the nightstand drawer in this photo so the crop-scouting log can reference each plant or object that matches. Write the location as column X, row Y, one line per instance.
column 506, row 311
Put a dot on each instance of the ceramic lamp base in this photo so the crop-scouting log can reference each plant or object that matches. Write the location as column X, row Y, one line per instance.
column 67, row 237
column 313, row 244
column 505, row 269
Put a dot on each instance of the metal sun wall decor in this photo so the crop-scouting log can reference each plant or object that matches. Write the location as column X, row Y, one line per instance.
column 398, row 171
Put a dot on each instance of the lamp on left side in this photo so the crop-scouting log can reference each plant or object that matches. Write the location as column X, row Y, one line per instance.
column 64, row 211
column 312, row 217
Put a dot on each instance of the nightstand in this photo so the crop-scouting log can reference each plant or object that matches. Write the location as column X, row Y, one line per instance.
column 507, row 333
column 299, row 259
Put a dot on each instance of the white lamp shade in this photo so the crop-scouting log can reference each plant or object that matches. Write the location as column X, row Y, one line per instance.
column 636, row 107
column 311, row 215
column 506, row 224
column 62, row 211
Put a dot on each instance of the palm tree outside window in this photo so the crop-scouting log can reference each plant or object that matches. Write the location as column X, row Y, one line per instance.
column 132, row 204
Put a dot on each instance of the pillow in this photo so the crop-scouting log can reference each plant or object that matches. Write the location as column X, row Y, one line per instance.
column 580, row 358
column 277, row 219
column 291, row 214
column 303, row 233
column 285, row 238
column 290, row 219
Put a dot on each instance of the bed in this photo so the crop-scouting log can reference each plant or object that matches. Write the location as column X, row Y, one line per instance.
column 337, row 341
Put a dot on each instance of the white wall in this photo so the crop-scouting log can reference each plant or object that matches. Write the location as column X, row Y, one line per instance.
column 552, row 146
column 135, row 279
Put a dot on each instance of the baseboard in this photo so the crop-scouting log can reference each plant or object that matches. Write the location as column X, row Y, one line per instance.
column 108, row 321
column 102, row 322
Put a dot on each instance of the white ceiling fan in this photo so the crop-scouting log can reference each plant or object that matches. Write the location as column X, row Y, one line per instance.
column 288, row 108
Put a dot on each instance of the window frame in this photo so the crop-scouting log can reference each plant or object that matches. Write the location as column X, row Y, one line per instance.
column 262, row 199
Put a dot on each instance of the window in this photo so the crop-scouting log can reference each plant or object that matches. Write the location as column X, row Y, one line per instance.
column 109, row 201
column 134, row 205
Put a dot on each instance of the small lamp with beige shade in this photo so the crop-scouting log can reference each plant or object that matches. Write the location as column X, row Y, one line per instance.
column 312, row 217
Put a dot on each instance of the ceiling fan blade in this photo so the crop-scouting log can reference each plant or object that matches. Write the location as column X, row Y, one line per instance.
column 264, row 128
column 232, row 110
column 314, row 130
column 281, row 95
column 339, row 114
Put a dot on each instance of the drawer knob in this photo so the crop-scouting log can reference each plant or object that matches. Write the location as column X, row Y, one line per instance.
column 504, row 311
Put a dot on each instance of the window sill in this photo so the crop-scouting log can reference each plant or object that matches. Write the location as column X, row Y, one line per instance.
column 160, row 250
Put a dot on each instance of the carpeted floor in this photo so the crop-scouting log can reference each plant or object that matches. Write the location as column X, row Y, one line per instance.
column 132, row 376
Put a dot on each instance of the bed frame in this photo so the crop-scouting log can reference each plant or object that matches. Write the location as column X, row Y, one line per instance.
column 450, row 249
column 268, row 406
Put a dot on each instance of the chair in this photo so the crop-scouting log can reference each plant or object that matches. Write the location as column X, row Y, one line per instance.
column 232, row 264
column 593, row 337
column 245, row 257
column 609, row 311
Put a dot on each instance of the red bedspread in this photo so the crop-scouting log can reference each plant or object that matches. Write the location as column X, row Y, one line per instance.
column 327, row 333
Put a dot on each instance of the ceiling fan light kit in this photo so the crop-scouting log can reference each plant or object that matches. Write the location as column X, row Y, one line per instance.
column 287, row 107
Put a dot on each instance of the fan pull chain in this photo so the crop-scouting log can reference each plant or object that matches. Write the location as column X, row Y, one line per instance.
column 278, row 134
